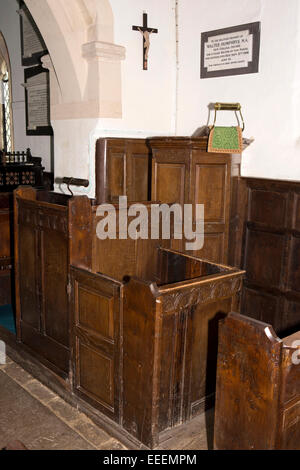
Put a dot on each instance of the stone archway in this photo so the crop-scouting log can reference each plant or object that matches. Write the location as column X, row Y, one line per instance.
column 79, row 36
column 85, row 79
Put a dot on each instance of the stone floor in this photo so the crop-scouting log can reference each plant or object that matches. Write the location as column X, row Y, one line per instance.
column 36, row 416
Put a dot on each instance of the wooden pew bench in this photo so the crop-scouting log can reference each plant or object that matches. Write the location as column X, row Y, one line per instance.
column 130, row 326
column 258, row 387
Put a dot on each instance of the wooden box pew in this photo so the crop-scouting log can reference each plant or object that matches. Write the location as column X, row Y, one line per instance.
column 6, row 257
column 130, row 328
column 53, row 232
column 144, row 352
column 258, row 387
column 15, row 168
column 184, row 172
column 123, row 167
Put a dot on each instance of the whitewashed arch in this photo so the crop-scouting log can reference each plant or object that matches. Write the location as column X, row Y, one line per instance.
column 79, row 36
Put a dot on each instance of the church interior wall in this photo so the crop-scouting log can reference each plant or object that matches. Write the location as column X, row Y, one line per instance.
column 169, row 98
column 270, row 98
column 10, row 27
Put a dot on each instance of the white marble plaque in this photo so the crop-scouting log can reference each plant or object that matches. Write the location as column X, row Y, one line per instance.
column 228, row 51
column 37, row 101
column 32, row 43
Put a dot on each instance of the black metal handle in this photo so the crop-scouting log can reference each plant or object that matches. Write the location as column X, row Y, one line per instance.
column 75, row 181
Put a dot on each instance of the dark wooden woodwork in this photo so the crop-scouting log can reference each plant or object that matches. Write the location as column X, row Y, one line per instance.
column 42, row 277
column 97, row 324
column 18, row 168
column 6, row 261
column 271, row 252
column 170, row 343
column 119, row 258
column 184, row 172
column 51, row 231
column 258, row 387
column 122, row 169
column 144, row 353
column 129, row 325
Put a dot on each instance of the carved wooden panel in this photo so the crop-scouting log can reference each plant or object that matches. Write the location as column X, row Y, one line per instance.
column 258, row 387
column 294, row 264
column 96, row 323
column 261, row 305
column 268, row 207
column 169, row 182
column 210, row 190
column 138, row 185
column 247, row 386
column 272, row 252
column 54, row 249
column 91, row 305
column 5, row 251
column 43, row 279
column 116, row 175
column 28, row 265
column 170, row 345
column 96, row 374
column 170, row 175
column 296, row 212
column 264, row 257
column 5, row 284
column 6, row 254
column 213, row 248
column 204, row 179
column 122, row 168
column 291, row 433
column 290, row 313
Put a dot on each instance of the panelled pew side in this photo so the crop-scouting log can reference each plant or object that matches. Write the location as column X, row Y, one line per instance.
column 47, row 221
column 15, row 168
column 42, row 258
column 53, row 232
column 184, row 172
column 6, row 254
column 123, row 167
column 150, row 362
column 110, row 324
column 258, row 387
column 178, row 170
column 268, row 249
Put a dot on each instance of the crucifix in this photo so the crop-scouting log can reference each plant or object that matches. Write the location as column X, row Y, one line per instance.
column 145, row 31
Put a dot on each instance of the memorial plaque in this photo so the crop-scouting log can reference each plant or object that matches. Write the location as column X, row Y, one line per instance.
column 37, row 97
column 230, row 51
column 33, row 46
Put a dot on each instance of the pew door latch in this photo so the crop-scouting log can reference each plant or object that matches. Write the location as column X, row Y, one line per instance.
column 70, row 181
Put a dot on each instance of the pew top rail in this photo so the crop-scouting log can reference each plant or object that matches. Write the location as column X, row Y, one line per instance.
column 258, row 387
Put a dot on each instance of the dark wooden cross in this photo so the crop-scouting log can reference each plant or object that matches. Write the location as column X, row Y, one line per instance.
column 145, row 31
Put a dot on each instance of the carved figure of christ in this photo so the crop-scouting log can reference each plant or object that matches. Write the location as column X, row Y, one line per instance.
column 145, row 31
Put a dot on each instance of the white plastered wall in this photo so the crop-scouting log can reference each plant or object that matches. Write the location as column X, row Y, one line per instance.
column 270, row 98
column 103, row 91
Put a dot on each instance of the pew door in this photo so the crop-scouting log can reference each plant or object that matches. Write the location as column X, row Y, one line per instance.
column 96, row 352
column 210, row 186
column 5, row 248
column 43, row 282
